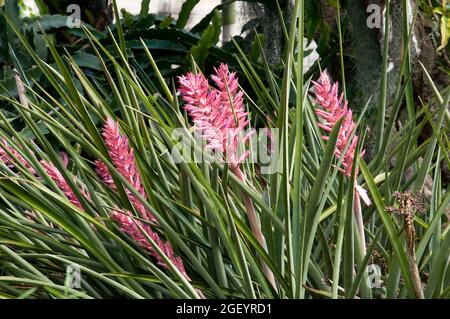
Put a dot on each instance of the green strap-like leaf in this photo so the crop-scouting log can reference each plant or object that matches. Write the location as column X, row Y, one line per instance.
column 396, row 243
column 185, row 12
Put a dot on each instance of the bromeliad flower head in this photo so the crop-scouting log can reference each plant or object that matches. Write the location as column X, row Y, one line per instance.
column 122, row 157
column 333, row 109
column 51, row 170
column 9, row 161
column 59, row 180
column 218, row 113
column 232, row 113
column 225, row 80
column 194, row 89
column 102, row 171
column 134, row 229
column 200, row 101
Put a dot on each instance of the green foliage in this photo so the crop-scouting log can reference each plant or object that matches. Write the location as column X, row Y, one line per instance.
column 209, row 38
column 171, row 47
column 444, row 12
column 185, row 12
column 145, row 6
column 306, row 208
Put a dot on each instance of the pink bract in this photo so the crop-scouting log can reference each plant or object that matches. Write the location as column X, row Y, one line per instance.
column 218, row 113
column 122, row 157
column 333, row 109
column 135, row 230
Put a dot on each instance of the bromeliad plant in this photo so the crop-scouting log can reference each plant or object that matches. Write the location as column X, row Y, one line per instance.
column 139, row 223
column 123, row 160
column 220, row 117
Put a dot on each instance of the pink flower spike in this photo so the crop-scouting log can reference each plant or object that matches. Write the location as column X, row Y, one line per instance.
column 218, row 113
column 10, row 162
column 133, row 228
column 327, row 97
column 333, row 109
column 102, row 171
column 223, row 79
column 51, row 170
column 121, row 154
column 122, row 157
column 64, row 159
column 59, row 180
